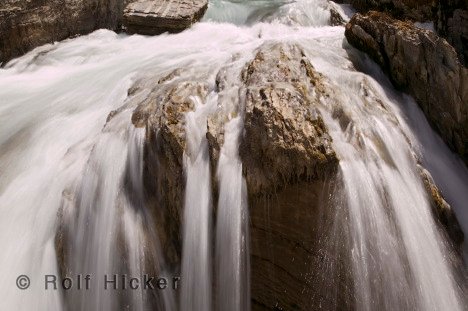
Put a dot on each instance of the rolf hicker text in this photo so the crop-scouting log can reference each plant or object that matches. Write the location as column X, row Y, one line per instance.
column 111, row 282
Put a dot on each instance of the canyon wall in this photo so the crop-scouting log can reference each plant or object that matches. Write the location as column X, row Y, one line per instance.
column 423, row 64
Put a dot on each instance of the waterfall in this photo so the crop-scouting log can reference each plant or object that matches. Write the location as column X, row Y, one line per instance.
column 394, row 241
column 231, row 225
column 449, row 172
column 110, row 216
column 196, row 253
column 68, row 166
column 232, row 253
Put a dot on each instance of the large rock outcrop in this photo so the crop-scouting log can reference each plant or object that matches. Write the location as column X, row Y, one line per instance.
column 452, row 23
column 422, row 64
column 156, row 17
column 290, row 167
column 286, row 154
column 25, row 25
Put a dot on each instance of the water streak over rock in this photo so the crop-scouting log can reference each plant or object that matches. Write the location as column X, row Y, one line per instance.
column 422, row 64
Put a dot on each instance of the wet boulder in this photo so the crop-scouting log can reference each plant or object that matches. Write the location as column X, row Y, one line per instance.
column 287, row 155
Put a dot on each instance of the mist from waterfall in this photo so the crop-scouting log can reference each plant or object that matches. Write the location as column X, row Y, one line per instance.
column 65, row 166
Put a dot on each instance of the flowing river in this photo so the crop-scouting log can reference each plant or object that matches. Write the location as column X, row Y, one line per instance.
column 59, row 155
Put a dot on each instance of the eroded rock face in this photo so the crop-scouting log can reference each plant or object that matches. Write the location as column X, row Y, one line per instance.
column 156, row 17
column 25, row 25
column 452, row 23
column 418, row 10
column 422, row 64
column 285, row 138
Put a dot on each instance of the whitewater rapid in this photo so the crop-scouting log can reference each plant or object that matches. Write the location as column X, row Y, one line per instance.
column 59, row 154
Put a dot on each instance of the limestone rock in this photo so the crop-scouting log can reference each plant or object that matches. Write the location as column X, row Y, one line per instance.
column 424, row 65
column 289, row 165
column 156, row 17
column 25, row 25
column 285, row 138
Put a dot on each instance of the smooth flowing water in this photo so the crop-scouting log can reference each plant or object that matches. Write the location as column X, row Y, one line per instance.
column 63, row 162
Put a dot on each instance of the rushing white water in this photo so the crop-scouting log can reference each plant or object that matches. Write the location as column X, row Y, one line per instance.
column 59, row 156
column 386, row 201
column 99, row 200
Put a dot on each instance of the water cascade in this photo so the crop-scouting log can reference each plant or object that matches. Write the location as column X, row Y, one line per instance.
column 196, row 254
column 64, row 156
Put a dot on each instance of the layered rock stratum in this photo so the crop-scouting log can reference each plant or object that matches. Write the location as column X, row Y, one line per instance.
column 156, row 17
